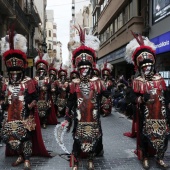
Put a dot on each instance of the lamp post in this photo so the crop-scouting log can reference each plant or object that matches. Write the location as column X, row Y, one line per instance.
column 44, row 47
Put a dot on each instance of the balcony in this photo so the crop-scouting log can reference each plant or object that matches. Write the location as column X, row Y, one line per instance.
column 30, row 11
column 14, row 14
column 122, row 36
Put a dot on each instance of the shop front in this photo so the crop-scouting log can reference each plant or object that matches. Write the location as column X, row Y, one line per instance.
column 162, row 43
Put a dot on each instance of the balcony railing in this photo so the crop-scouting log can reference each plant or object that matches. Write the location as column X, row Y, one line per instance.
column 30, row 11
column 20, row 13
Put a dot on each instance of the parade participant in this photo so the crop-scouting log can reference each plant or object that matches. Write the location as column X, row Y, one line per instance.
column 148, row 94
column 96, row 71
column 61, row 86
column 106, row 103
column 83, row 103
column 20, row 127
column 43, row 87
column 52, row 72
column 74, row 74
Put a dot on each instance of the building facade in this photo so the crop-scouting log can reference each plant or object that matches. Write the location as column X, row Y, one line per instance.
column 25, row 16
column 53, row 45
column 112, row 23
column 159, row 33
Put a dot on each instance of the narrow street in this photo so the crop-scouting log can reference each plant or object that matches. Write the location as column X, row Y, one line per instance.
column 118, row 149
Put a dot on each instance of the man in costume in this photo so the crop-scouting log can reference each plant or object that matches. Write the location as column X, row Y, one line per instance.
column 74, row 74
column 61, row 86
column 20, row 128
column 106, row 103
column 42, row 83
column 148, row 94
column 83, row 103
column 52, row 72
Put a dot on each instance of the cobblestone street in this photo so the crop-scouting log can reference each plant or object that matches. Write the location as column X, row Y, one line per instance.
column 118, row 149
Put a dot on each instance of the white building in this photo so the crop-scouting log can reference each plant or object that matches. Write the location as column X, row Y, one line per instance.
column 51, row 37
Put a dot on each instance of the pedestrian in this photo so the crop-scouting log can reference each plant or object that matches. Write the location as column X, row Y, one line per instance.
column 20, row 127
column 83, row 103
column 148, row 88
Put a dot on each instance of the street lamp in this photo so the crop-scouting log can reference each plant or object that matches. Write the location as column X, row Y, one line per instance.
column 44, row 47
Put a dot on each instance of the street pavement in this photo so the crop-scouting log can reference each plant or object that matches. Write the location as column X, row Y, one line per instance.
column 118, row 149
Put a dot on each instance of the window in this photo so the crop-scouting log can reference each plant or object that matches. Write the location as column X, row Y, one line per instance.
column 54, row 27
column 111, row 29
column 115, row 23
column 49, row 33
column 126, row 15
column 120, row 21
column 108, row 33
column 50, row 46
column 54, row 35
column 130, row 10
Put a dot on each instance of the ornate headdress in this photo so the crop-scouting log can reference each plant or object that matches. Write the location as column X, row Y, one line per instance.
column 140, row 51
column 13, row 50
column 96, row 70
column 74, row 73
column 85, row 54
column 53, row 67
column 106, row 68
column 62, row 70
column 41, row 61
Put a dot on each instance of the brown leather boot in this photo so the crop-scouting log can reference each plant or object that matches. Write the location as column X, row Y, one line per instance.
column 145, row 163
column 44, row 126
column 19, row 160
column 162, row 164
column 90, row 165
column 27, row 165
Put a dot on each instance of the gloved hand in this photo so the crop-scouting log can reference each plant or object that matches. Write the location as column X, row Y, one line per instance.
column 146, row 97
column 66, row 124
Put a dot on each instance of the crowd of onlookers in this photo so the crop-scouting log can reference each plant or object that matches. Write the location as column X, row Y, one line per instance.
column 120, row 94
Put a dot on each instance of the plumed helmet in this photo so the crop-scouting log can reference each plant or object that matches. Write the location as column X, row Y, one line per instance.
column 96, row 70
column 53, row 66
column 140, row 51
column 41, row 61
column 74, row 73
column 62, row 71
column 13, row 50
column 106, row 68
column 85, row 52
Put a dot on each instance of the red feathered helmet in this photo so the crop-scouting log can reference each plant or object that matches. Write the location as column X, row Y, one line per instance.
column 41, row 61
column 13, row 50
column 62, row 71
column 140, row 52
column 85, row 54
column 53, row 67
column 74, row 74
column 106, row 68
column 97, row 71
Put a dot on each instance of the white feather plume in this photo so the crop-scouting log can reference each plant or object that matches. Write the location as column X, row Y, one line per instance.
column 108, row 66
column 4, row 45
column 92, row 42
column 20, row 43
column 133, row 44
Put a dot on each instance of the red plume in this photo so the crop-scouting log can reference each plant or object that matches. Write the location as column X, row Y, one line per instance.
column 11, row 36
column 81, row 34
column 40, row 54
column 138, row 38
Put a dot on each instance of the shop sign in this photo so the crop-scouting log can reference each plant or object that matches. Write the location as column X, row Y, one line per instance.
column 162, row 43
column 30, row 62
